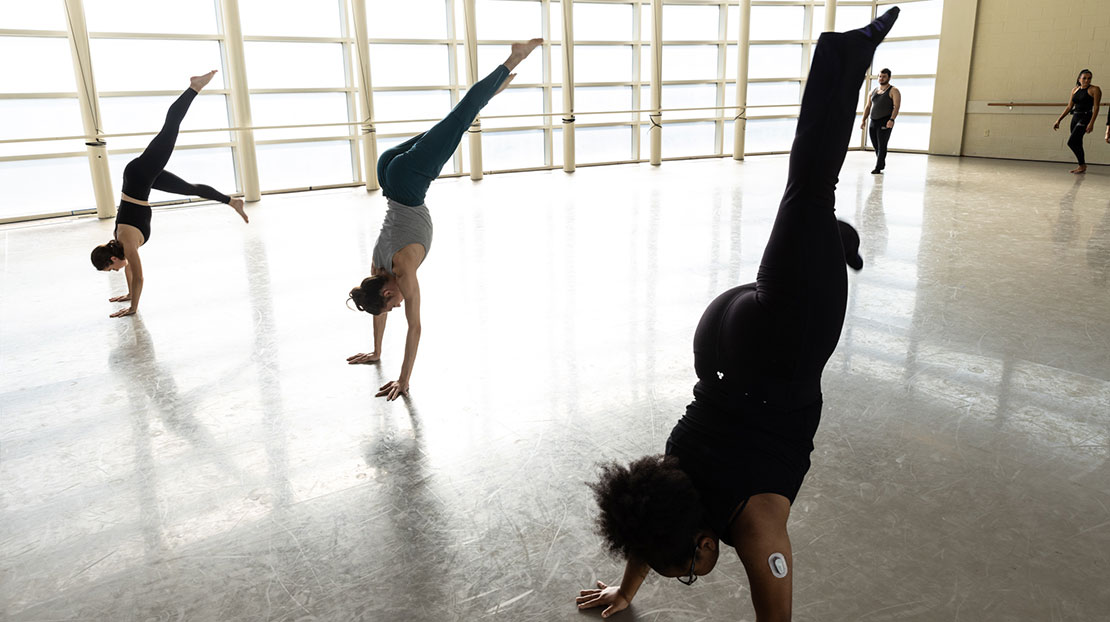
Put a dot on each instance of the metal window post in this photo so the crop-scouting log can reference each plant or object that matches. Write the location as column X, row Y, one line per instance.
column 741, row 124
column 366, row 96
column 568, row 85
column 90, row 109
column 656, row 116
column 830, row 15
column 471, row 40
column 722, row 79
column 240, row 99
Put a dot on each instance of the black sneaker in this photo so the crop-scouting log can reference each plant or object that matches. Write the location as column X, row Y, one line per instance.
column 877, row 172
column 850, row 240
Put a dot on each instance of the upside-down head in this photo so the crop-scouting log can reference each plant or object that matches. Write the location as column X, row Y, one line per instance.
column 108, row 256
column 651, row 511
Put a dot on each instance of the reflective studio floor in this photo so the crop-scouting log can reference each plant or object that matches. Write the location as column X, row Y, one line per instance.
column 214, row 458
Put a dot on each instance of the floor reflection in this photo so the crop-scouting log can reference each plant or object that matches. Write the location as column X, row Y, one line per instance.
column 413, row 525
column 153, row 394
column 1098, row 248
column 1066, row 229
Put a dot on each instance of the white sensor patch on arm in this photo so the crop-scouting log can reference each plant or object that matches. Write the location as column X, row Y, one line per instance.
column 777, row 562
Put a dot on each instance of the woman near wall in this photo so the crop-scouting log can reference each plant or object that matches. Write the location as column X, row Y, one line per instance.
column 1083, row 106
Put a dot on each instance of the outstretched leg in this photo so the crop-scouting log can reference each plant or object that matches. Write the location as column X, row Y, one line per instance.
column 802, row 279
column 880, row 137
column 873, row 133
column 168, row 182
column 884, row 138
column 139, row 175
column 406, row 171
column 1075, row 142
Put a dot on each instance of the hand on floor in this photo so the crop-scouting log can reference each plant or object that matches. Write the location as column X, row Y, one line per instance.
column 393, row 390
column 606, row 595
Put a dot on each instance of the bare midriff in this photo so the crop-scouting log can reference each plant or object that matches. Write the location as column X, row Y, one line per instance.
column 135, row 201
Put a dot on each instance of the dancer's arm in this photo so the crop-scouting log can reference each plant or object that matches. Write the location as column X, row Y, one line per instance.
column 617, row 597
column 895, row 95
column 410, row 289
column 866, row 112
column 379, row 332
column 760, row 532
column 1097, row 94
column 134, row 273
column 1067, row 109
column 126, row 297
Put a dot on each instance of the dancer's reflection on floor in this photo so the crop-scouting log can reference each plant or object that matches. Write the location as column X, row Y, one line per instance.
column 873, row 230
column 1065, row 232
column 1098, row 249
column 408, row 520
column 153, row 395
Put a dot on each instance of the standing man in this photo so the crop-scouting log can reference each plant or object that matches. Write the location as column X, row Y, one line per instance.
column 882, row 107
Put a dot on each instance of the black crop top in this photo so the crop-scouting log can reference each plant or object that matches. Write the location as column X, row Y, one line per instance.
column 734, row 445
column 136, row 215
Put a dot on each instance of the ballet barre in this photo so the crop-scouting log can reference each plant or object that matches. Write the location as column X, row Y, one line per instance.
column 372, row 122
column 1011, row 105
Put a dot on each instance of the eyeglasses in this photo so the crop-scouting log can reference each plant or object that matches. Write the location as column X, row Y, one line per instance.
column 691, row 577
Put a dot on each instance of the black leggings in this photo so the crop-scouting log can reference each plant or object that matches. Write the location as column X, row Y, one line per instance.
column 880, row 136
column 776, row 335
column 147, row 170
column 1079, row 122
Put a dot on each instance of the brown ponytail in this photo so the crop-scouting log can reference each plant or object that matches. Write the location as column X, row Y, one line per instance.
column 368, row 295
column 102, row 255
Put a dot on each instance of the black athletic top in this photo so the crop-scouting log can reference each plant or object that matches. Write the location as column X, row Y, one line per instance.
column 746, row 433
column 136, row 215
column 1082, row 101
column 734, row 446
column 882, row 104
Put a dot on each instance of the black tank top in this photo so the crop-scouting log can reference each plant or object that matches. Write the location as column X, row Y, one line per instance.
column 734, row 445
column 1082, row 101
column 136, row 215
column 882, row 104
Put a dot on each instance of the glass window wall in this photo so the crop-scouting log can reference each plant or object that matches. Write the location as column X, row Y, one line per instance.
column 300, row 65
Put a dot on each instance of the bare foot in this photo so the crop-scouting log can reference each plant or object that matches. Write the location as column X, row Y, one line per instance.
column 520, row 52
column 505, row 84
column 237, row 205
column 1079, row 170
column 199, row 82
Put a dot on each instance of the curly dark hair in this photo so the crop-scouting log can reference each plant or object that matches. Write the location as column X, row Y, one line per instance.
column 368, row 295
column 650, row 511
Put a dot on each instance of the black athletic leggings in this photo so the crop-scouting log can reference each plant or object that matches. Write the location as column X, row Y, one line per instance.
column 880, row 136
column 147, row 170
column 776, row 335
column 1079, row 122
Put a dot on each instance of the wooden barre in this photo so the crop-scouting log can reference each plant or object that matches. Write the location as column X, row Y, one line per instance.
column 1012, row 104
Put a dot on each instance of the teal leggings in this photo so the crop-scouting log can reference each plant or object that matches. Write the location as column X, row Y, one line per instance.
column 406, row 171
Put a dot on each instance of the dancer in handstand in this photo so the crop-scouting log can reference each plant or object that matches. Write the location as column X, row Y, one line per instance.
column 735, row 462
column 405, row 173
column 133, row 217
